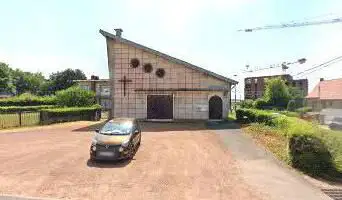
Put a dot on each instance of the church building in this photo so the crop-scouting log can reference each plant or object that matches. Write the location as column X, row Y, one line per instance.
column 148, row 84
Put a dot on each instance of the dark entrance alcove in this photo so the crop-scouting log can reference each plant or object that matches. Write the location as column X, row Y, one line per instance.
column 159, row 107
column 215, row 107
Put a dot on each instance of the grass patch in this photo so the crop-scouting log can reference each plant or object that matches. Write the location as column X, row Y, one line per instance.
column 274, row 141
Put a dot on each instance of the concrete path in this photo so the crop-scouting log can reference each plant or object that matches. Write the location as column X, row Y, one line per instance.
column 262, row 171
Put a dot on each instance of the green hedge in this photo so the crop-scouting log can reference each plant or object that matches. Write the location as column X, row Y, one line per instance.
column 252, row 115
column 28, row 100
column 304, row 110
column 311, row 149
column 71, row 110
column 66, row 114
column 7, row 109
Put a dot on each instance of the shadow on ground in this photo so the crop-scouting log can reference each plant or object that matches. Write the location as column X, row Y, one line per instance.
column 108, row 164
column 172, row 126
column 90, row 128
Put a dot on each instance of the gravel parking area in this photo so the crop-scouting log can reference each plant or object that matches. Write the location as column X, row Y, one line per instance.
column 173, row 162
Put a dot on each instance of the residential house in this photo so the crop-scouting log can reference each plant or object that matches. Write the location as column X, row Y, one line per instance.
column 326, row 94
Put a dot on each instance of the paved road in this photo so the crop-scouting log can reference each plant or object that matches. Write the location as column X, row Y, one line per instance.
column 174, row 162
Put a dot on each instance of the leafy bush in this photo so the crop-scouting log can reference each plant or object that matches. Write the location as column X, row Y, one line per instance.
column 252, row 115
column 75, row 97
column 291, row 105
column 246, row 103
column 28, row 99
column 309, row 154
column 304, row 109
column 24, row 108
column 260, row 104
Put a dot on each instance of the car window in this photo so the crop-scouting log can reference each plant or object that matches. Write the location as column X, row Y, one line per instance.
column 117, row 128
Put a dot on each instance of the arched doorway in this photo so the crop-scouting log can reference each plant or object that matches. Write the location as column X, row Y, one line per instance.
column 215, row 107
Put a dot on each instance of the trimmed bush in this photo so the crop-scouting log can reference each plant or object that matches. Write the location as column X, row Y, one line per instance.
column 27, row 99
column 8, row 109
column 246, row 103
column 309, row 154
column 291, row 105
column 75, row 97
column 252, row 115
column 260, row 104
column 65, row 114
column 304, row 109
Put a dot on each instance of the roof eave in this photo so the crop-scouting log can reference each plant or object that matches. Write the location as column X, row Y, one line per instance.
column 176, row 60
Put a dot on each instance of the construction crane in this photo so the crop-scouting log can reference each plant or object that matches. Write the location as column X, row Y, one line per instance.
column 284, row 65
column 294, row 24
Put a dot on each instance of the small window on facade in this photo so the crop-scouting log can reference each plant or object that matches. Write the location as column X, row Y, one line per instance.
column 249, row 81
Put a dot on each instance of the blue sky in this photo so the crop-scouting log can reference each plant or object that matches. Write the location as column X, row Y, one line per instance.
column 47, row 36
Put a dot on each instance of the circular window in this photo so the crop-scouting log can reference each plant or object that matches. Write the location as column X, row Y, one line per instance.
column 148, row 67
column 160, row 72
column 135, row 62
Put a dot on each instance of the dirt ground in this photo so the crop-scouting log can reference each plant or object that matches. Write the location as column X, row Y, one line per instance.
column 178, row 162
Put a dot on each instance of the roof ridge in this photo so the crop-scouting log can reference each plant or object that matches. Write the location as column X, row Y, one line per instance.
column 168, row 57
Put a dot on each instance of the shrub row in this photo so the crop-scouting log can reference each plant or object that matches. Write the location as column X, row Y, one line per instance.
column 28, row 100
column 252, row 115
column 53, row 115
column 71, row 110
column 304, row 110
column 6, row 109
column 311, row 149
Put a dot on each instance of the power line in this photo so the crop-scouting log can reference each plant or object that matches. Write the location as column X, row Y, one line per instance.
column 320, row 66
column 328, row 65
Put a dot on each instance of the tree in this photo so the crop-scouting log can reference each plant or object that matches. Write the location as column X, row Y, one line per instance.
column 75, row 96
column 277, row 93
column 27, row 81
column 296, row 93
column 6, row 84
column 65, row 79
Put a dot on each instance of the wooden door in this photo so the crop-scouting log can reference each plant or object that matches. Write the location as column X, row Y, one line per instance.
column 215, row 107
column 159, row 107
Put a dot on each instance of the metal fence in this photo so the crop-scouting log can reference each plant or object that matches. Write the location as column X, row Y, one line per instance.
column 16, row 119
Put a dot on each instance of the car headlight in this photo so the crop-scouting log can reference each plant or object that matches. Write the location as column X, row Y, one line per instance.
column 93, row 141
column 125, row 143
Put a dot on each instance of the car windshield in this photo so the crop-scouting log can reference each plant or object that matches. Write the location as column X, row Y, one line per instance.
column 116, row 128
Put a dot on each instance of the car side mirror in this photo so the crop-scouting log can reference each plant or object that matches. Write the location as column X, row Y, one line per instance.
column 97, row 130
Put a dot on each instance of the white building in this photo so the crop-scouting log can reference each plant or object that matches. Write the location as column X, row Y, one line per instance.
column 148, row 84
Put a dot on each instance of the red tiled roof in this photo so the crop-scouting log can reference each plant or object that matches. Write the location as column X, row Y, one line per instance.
column 329, row 89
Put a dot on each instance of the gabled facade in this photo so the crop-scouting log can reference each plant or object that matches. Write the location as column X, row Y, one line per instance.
column 326, row 94
column 147, row 84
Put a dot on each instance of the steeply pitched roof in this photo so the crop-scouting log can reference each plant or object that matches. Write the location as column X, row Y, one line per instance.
column 329, row 89
column 170, row 58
